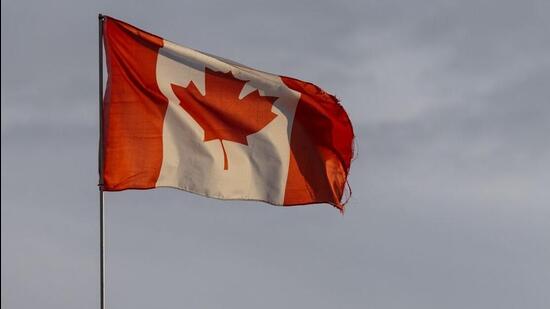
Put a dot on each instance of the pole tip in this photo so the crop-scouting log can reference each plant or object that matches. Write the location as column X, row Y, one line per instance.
column 100, row 16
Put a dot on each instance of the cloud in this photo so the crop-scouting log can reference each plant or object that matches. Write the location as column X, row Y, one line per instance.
column 449, row 210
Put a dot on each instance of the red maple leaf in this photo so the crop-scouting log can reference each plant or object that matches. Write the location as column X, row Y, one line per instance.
column 221, row 113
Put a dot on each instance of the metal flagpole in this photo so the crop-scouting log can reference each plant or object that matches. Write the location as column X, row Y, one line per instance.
column 100, row 166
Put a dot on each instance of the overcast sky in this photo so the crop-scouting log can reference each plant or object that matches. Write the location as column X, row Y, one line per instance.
column 450, row 102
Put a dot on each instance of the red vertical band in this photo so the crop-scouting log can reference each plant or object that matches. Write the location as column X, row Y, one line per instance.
column 321, row 148
column 134, row 108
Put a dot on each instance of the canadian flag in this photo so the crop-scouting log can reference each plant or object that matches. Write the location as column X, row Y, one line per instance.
column 177, row 117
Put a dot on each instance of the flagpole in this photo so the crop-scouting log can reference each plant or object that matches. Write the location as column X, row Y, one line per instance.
column 100, row 166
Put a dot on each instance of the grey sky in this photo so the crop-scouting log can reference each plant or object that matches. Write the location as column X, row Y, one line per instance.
column 450, row 105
